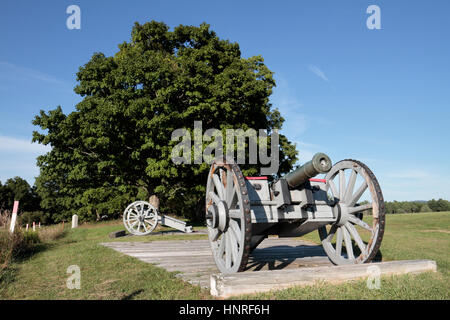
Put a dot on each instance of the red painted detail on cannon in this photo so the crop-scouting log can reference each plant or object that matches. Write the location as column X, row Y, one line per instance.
column 256, row 178
column 318, row 180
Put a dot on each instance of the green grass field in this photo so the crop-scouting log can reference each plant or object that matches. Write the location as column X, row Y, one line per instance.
column 107, row 274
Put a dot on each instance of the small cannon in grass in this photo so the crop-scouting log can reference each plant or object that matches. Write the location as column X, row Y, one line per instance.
column 242, row 211
column 141, row 218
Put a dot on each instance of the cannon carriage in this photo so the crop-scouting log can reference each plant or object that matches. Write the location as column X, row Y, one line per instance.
column 140, row 218
column 242, row 211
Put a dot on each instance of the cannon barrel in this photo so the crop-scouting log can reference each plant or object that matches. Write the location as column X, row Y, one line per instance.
column 320, row 163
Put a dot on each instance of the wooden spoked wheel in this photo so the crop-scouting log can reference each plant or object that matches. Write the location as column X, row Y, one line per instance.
column 355, row 191
column 140, row 218
column 228, row 215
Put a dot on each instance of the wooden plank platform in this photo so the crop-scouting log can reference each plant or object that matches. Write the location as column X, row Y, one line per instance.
column 280, row 263
column 193, row 258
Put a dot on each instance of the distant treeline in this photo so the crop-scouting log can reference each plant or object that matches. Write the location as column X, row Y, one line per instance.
column 417, row 206
column 30, row 203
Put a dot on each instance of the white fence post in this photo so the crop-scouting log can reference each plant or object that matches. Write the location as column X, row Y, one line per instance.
column 74, row 221
column 14, row 216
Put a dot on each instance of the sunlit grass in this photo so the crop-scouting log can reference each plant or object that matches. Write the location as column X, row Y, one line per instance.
column 107, row 274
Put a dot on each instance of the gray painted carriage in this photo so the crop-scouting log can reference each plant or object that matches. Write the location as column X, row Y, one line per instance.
column 242, row 211
column 140, row 218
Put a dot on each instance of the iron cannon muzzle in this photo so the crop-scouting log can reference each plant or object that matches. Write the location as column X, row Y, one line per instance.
column 320, row 163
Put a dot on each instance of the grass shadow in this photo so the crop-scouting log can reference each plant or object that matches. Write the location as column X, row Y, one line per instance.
column 132, row 295
column 31, row 251
column 8, row 274
column 280, row 257
column 357, row 251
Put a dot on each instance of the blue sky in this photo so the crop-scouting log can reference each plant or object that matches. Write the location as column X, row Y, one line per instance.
column 380, row 96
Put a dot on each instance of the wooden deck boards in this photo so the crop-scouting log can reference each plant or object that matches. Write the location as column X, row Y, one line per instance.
column 194, row 261
column 275, row 264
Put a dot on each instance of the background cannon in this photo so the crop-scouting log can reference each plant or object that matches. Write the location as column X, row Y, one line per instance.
column 242, row 211
column 140, row 218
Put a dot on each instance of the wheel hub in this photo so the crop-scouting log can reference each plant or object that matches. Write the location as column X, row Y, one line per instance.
column 341, row 212
column 220, row 216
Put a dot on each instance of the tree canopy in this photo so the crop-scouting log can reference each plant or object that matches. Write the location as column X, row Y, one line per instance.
column 116, row 146
column 18, row 189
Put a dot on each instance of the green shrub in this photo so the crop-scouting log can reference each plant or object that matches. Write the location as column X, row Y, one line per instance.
column 425, row 208
column 23, row 242
column 34, row 216
column 30, row 237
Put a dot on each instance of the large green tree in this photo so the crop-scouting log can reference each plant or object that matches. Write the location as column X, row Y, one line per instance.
column 117, row 146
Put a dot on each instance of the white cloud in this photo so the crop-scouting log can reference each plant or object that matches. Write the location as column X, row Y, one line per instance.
column 18, row 158
column 414, row 184
column 307, row 150
column 291, row 109
column 29, row 73
column 283, row 98
column 314, row 69
column 15, row 145
column 296, row 121
column 413, row 174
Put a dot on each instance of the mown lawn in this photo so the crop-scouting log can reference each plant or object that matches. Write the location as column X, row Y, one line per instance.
column 107, row 274
column 407, row 237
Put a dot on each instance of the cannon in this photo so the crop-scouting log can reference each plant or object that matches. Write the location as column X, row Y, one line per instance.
column 346, row 206
column 140, row 218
